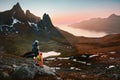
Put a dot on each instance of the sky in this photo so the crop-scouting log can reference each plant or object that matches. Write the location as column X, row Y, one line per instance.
column 66, row 12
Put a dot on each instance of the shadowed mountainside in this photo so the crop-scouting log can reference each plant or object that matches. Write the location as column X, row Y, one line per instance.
column 18, row 30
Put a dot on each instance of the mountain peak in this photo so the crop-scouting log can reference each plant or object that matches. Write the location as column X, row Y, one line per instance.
column 113, row 16
column 17, row 6
column 27, row 11
column 46, row 16
column 47, row 20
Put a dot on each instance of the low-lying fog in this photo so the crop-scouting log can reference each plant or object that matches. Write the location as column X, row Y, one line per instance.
column 82, row 32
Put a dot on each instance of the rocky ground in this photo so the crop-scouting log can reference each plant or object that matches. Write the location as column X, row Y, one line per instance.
column 99, row 66
column 18, row 68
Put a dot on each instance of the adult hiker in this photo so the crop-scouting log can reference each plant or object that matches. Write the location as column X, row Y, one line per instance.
column 35, row 47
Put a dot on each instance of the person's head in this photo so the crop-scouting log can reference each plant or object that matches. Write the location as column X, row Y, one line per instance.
column 36, row 41
column 40, row 53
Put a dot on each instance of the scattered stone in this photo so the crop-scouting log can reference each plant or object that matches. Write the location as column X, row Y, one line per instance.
column 59, row 64
column 5, row 75
column 83, row 76
column 88, row 64
column 111, row 66
column 104, row 56
column 72, row 67
column 74, row 60
column 14, row 66
column 111, row 58
column 58, row 78
column 50, row 59
column 83, row 56
column 117, row 76
column 92, row 56
column 65, row 58
column 77, row 69
column 113, row 52
column 57, row 67
column 82, row 62
column 68, row 63
column 5, row 67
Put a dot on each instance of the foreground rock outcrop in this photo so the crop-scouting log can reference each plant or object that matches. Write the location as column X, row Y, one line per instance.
column 25, row 71
column 18, row 68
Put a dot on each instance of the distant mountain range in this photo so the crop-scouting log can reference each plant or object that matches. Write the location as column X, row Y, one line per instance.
column 108, row 25
column 18, row 29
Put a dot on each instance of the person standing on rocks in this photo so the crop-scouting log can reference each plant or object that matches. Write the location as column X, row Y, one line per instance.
column 35, row 47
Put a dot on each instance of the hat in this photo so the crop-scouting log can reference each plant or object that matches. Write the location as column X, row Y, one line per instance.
column 36, row 41
column 40, row 53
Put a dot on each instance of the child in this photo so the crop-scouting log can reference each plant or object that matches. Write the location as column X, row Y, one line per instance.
column 39, row 59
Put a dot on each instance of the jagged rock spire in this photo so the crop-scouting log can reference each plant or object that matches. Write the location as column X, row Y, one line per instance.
column 17, row 7
column 18, row 13
column 46, row 20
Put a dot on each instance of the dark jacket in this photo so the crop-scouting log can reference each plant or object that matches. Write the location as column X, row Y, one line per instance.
column 35, row 48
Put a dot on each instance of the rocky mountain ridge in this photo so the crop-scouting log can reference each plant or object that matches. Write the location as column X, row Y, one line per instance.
column 23, row 28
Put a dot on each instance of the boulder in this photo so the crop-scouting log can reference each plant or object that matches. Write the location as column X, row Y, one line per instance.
column 117, row 76
column 5, row 75
column 28, row 72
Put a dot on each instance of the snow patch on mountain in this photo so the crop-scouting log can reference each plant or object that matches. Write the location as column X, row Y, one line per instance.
column 33, row 25
column 110, row 66
column 51, row 53
column 64, row 58
column 15, row 21
column 92, row 56
column 84, row 56
column 3, row 26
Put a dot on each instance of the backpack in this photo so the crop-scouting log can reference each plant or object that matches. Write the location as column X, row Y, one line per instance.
column 38, row 57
